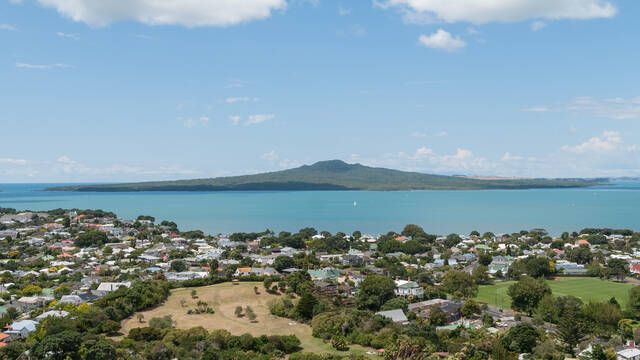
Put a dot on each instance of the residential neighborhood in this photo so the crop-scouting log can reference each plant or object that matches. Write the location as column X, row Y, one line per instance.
column 58, row 264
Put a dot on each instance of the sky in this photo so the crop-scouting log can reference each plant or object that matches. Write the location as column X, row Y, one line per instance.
column 111, row 90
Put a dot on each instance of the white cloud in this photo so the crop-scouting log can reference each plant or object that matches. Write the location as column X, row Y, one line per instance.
column 353, row 31
column 8, row 27
column 343, row 11
column 11, row 161
column 190, row 13
column 29, row 66
column 442, row 40
column 508, row 157
column 193, row 122
column 259, row 118
column 607, row 142
column 239, row 99
column 418, row 134
column 423, row 152
column 67, row 35
column 612, row 108
column 235, row 119
column 487, row 11
column 270, row 156
column 538, row 25
column 536, row 109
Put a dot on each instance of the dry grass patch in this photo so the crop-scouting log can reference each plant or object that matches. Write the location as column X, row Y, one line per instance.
column 225, row 298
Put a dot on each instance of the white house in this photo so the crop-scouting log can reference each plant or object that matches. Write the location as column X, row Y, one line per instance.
column 628, row 354
column 408, row 288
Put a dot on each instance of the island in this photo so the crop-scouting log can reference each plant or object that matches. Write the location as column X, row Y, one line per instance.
column 337, row 175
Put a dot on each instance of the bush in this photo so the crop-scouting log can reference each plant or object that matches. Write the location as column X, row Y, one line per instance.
column 339, row 343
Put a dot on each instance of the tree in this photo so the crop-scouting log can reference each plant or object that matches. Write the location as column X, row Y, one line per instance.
column 521, row 338
column 459, row 284
column 634, row 301
column 91, row 238
column 57, row 346
column 140, row 318
column 339, row 343
column 580, row 255
column 305, row 306
column 238, row 312
column 470, row 308
column 570, row 330
column 437, row 317
column 100, row 350
column 250, row 314
column 603, row 317
column 283, row 262
column 178, row 265
column 527, row 293
column 31, row 289
column 412, row 230
column 452, row 240
column 213, row 267
column 375, row 290
column 396, row 303
column 485, row 258
column 165, row 322
column 617, row 268
column 481, row 275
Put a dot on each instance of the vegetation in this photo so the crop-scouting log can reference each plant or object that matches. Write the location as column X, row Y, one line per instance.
column 336, row 175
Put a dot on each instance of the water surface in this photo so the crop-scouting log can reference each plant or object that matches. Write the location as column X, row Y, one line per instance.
column 440, row 212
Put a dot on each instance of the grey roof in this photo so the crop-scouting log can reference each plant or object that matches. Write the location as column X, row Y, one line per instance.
column 396, row 315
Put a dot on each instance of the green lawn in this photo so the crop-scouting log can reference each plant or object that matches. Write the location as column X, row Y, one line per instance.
column 584, row 288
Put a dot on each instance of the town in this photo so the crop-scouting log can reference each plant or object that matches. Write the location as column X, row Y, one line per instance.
column 85, row 284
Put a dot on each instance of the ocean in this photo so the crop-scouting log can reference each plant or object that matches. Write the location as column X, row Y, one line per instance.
column 374, row 212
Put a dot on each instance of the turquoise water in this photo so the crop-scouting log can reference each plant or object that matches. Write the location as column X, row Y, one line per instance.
column 439, row 212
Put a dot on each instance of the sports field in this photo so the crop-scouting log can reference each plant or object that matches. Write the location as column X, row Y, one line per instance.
column 584, row 288
column 224, row 298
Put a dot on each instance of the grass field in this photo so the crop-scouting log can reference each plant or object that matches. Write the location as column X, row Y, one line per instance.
column 224, row 298
column 584, row 288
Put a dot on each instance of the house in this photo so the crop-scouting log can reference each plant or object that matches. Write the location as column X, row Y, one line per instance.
column 21, row 329
column 397, row 316
column 52, row 313
column 408, row 288
column 327, row 273
column 501, row 264
column 28, row 303
column 450, row 307
column 628, row 354
column 246, row 271
column 186, row 275
column 107, row 287
column 71, row 299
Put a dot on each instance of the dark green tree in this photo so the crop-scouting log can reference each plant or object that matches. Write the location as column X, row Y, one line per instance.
column 375, row 290
column 527, row 293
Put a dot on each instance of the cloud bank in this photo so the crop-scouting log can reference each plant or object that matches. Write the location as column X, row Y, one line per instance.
column 190, row 13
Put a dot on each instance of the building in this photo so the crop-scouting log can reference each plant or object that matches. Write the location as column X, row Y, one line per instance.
column 408, row 288
column 628, row 354
column 324, row 274
column 21, row 329
column 397, row 316
column 450, row 307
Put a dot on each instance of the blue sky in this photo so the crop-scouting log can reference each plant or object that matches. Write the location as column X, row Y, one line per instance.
column 97, row 90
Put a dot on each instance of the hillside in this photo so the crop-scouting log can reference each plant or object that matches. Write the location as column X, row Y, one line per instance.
column 335, row 175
